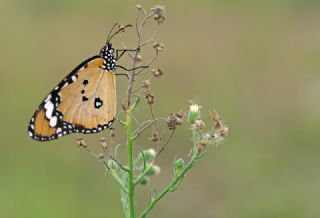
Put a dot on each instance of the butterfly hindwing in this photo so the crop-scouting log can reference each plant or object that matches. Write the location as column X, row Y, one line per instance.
column 83, row 102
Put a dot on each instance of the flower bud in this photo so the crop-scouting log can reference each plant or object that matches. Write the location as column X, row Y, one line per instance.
column 194, row 112
column 144, row 180
column 179, row 164
column 153, row 170
column 112, row 164
column 148, row 154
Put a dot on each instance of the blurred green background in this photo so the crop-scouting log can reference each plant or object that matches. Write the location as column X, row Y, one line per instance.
column 256, row 62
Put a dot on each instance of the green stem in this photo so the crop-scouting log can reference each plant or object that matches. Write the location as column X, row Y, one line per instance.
column 171, row 186
column 116, row 178
column 130, row 164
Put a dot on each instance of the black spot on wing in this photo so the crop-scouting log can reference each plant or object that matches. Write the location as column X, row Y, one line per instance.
column 84, row 98
column 98, row 102
column 85, row 82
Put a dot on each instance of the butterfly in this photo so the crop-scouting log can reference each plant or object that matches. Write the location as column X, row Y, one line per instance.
column 83, row 102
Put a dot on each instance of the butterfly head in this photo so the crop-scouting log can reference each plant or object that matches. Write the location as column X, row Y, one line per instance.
column 107, row 53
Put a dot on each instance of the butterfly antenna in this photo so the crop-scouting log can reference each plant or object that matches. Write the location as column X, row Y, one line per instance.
column 121, row 28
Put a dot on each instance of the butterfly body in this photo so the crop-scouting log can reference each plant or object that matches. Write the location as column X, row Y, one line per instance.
column 83, row 102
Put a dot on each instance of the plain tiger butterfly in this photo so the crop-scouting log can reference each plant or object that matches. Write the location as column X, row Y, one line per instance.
column 83, row 102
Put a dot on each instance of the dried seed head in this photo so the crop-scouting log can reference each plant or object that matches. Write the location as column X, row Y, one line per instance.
column 200, row 148
column 224, row 131
column 217, row 122
column 139, row 7
column 158, row 46
column 112, row 132
column 150, row 98
column 159, row 13
column 156, row 72
column 198, row 125
column 101, row 156
column 138, row 59
column 174, row 120
column 81, row 143
column 145, row 84
column 103, row 143
column 124, row 106
column 155, row 136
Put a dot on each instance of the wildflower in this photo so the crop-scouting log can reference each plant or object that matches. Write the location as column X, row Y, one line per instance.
column 194, row 113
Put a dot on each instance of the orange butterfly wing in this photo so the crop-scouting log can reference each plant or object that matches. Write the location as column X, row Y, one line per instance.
column 85, row 101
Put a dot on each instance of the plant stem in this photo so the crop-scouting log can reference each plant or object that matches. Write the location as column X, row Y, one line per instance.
column 130, row 164
column 171, row 186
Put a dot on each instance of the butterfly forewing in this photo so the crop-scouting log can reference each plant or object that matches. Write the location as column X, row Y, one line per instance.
column 85, row 101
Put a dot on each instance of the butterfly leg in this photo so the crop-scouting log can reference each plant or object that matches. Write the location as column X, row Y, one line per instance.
column 141, row 67
column 121, row 52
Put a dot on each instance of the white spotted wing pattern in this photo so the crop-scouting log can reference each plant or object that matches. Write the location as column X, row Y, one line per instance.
column 83, row 102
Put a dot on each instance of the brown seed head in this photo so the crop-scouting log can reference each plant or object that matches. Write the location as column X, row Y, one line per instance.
column 145, row 84
column 224, row 131
column 103, row 143
column 155, row 136
column 158, row 46
column 159, row 13
column 138, row 59
column 101, row 156
column 156, row 72
column 174, row 120
column 81, row 143
column 112, row 132
column 198, row 125
column 150, row 97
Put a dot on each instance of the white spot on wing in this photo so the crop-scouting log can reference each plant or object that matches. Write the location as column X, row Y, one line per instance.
column 30, row 134
column 53, row 121
column 74, row 78
column 49, row 110
column 58, row 130
column 48, row 98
